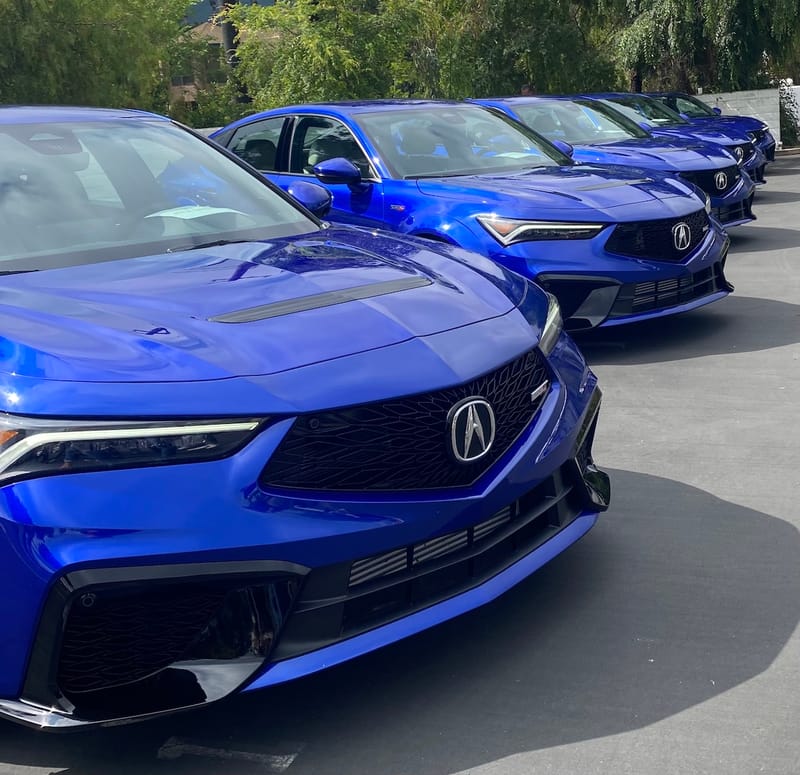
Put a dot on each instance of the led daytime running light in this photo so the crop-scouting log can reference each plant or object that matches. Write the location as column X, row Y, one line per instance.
column 30, row 442
column 509, row 230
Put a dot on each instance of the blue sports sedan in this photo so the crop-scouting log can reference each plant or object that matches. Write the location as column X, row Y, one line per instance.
column 697, row 112
column 238, row 444
column 598, row 134
column 614, row 245
column 661, row 121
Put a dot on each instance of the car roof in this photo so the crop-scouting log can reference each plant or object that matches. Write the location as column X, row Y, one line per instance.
column 343, row 108
column 51, row 114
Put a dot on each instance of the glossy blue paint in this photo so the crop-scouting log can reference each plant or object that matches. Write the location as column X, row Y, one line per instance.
column 128, row 328
column 661, row 121
column 698, row 112
column 628, row 146
column 411, row 183
column 362, row 644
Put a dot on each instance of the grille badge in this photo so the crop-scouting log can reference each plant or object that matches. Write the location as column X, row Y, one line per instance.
column 720, row 181
column 681, row 235
column 472, row 428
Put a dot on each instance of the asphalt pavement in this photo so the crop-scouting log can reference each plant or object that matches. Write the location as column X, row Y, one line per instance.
column 663, row 643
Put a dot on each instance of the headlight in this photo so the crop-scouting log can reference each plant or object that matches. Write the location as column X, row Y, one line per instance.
column 552, row 326
column 32, row 447
column 507, row 231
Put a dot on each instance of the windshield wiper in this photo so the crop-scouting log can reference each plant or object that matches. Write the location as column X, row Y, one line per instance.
column 5, row 272
column 212, row 244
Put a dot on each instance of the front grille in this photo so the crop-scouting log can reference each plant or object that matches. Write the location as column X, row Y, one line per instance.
column 341, row 601
column 655, row 240
column 636, row 298
column 402, row 444
column 747, row 151
column 707, row 179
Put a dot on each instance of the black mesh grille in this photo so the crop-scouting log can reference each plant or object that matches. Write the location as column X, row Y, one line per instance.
column 747, row 150
column 403, row 444
column 662, row 294
column 707, row 179
column 112, row 640
column 656, row 239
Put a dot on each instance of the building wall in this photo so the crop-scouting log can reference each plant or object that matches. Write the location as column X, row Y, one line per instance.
column 761, row 103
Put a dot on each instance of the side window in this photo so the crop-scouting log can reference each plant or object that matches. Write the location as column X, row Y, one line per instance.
column 257, row 143
column 317, row 138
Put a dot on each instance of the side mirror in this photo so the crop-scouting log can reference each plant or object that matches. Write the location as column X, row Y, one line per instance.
column 684, row 116
column 644, row 125
column 338, row 170
column 564, row 147
column 718, row 111
column 313, row 197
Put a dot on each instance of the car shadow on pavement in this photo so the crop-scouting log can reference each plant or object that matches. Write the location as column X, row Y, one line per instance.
column 675, row 597
column 767, row 196
column 759, row 239
column 735, row 324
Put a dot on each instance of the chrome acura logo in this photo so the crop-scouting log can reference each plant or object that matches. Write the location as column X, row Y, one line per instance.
column 720, row 180
column 739, row 153
column 472, row 429
column 681, row 235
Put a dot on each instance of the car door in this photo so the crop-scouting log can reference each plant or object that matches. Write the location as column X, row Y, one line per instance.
column 316, row 138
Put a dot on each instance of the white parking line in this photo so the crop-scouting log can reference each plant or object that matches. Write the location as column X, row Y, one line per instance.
column 176, row 747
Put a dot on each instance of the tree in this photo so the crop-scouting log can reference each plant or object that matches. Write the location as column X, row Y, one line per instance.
column 84, row 52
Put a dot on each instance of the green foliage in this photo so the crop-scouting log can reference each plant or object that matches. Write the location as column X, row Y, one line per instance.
column 311, row 50
column 88, row 52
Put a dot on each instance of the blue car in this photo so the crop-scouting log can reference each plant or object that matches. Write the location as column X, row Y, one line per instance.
column 614, row 245
column 654, row 116
column 697, row 112
column 597, row 134
column 238, row 444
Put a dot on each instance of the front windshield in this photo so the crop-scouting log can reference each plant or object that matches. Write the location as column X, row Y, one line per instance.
column 578, row 123
column 449, row 140
column 694, row 108
column 75, row 193
column 652, row 110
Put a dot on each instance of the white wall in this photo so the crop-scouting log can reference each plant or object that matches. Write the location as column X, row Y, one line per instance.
column 761, row 103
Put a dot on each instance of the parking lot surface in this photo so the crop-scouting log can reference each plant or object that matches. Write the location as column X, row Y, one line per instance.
column 664, row 642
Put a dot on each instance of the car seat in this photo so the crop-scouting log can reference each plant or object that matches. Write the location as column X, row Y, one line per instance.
column 260, row 153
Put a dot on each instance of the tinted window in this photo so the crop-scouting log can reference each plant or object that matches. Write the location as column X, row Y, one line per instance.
column 257, row 143
column 447, row 140
column 318, row 138
column 82, row 192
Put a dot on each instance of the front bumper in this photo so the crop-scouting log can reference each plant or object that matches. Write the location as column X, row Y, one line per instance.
column 620, row 290
column 123, row 635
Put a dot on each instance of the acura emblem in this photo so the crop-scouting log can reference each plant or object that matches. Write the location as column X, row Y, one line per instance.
column 739, row 153
column 681, row 236
column 720, row 181
column 472, row 429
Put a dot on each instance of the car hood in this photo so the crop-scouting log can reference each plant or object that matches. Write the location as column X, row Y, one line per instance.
column 737, row 123
column 239, row 310
column 668, row 154
column 706, row 132
column 580, row 190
